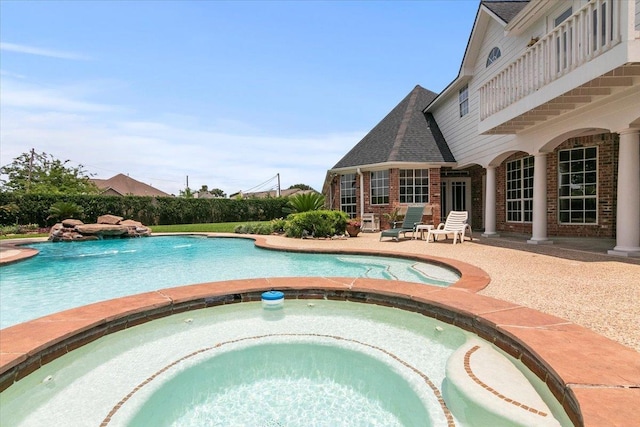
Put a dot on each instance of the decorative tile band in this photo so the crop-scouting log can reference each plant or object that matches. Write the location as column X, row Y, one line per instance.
column 427, row 380
column 467, row 368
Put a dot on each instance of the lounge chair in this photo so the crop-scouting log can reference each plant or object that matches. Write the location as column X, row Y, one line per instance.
column 412, row 218
column 455, row 224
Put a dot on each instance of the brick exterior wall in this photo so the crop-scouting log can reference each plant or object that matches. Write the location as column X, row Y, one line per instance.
column 477, row 174
column 394, row 196
column 607, row 182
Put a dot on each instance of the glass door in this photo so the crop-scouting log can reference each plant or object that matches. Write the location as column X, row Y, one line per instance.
column 455, row 195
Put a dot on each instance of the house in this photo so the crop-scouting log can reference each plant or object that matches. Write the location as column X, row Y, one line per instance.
column 398, row 162
column 542, row 124
column 123, row 185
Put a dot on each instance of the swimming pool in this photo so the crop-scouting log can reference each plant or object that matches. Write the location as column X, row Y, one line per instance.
column 314, row 363
column 67, row 275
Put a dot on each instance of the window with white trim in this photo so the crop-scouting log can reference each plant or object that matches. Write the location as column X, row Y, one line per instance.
column 414, row 185
column 380, row 187
column 578, row 186
column 520, row 190
column 348, row 194
column 493, row 56
column 463, row 100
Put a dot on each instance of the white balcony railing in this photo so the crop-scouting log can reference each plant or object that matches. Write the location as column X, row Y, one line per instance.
column 589, row 32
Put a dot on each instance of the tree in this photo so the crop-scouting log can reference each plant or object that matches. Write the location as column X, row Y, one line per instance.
column 42, row 173
column 187, row 193
column 218, row 193
column 301, row 187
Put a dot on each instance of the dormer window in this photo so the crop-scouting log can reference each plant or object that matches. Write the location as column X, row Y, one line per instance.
column 493, row 55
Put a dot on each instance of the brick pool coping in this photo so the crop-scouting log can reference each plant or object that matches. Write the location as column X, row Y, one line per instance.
column 596, row 379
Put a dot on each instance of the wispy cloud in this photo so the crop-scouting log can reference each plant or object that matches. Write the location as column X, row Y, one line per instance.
column 10, row 74
column 21, row 94
column 31, row 50
column 161, row 150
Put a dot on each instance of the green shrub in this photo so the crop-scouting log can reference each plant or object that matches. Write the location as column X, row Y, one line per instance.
column 65, row 210
column 34, row 208
column 9, row 229
column 278, row 224
column 255, row 228
column 305, row 202
column 29, row 228
column 322, row 223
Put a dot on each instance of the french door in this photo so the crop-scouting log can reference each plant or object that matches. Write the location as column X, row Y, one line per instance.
column 455, row 195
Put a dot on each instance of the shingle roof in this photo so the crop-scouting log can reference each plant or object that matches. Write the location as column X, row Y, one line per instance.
column 505, row 9
column 125, row 186
column 406, row 134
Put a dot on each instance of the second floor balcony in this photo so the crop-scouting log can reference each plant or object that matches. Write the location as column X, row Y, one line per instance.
column 570, row 66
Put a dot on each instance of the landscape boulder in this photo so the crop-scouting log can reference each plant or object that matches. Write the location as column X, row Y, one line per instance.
column 70, row 223
column 109, row 219
column 108, row 226
column 102, row 229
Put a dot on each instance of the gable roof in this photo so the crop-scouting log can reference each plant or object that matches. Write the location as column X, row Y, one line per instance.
column 406, row 134
column 505, row 9
column 125, row 186
column 500, row 11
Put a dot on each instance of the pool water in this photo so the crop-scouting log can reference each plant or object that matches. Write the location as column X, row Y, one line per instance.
column 67, row 275
column 260, row 385
column 318, row 363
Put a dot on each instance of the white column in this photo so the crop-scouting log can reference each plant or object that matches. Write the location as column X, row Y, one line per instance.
column 490, row 204
column 628, row 201
column 539, row 227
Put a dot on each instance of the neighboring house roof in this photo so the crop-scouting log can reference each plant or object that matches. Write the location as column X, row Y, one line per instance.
column 406, row 134
column 205, row 195
column 505, row 9
column 125, row 186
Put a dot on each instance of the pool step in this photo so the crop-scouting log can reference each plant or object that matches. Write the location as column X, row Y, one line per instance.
column 483, row 387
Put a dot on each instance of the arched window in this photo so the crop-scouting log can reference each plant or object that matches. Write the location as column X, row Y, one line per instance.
column 493, row 55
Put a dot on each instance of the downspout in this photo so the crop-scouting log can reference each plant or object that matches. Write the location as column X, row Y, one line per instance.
column 361, row 192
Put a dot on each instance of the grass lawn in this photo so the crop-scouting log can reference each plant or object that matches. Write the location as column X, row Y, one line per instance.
column 218, row 227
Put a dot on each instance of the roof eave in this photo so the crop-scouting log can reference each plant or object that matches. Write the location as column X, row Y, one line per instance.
column 529, row 14
column 466, row 67
column 390, row 165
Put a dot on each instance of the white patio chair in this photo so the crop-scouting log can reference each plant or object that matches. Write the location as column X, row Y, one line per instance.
column 456, row 224
column 370, row 222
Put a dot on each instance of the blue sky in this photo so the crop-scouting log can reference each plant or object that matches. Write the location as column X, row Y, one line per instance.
column 227, row 93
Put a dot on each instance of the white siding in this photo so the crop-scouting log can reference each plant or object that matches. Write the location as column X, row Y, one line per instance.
column 461, row 133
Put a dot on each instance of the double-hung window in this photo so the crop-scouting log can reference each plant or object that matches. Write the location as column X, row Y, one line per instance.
column 380, row 187
column 578, row 185
column 348, row 194
column 520, row 190
column 414, row 185
column 463, row 100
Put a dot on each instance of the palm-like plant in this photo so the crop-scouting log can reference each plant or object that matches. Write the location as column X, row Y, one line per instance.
column 305, row 202
column 65, row 210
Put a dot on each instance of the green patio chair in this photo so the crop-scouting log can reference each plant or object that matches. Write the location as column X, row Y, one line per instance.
column 412, row 218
